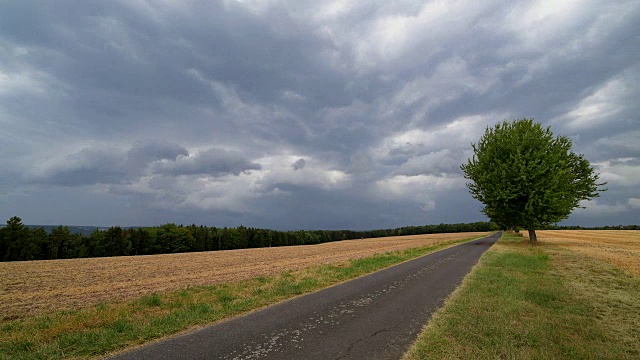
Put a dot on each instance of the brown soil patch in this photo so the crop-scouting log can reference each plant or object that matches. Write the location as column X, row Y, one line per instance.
column 35, row 287
column 618, row 247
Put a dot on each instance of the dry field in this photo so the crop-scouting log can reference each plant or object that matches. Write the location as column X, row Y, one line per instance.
column 35, row 287
column 620, row 248
column 601, row 269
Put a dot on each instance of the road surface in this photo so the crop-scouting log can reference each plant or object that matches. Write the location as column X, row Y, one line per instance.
column 376, row 316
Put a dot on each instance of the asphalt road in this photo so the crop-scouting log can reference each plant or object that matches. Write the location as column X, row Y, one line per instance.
column 376, row 316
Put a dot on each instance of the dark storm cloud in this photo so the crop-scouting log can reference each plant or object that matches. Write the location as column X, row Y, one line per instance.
column 145, row 152
column 376, row 101
column 88, row 166
column 210, row 162
column 299, row 164
column 92, row 166
column 115, row 59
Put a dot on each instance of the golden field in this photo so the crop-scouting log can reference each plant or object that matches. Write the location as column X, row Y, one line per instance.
column 37, row 287
column 601, row 269
column 620, row 248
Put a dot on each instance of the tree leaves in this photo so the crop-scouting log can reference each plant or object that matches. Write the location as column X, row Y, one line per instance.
column 526, row 177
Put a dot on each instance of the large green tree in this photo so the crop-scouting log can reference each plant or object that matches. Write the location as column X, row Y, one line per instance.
column 526, row 177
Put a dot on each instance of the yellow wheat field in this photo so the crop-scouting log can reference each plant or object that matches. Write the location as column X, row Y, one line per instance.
column 34, row 287
column 618, row 247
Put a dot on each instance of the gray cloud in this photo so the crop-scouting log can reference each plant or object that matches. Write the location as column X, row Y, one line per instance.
column 91, row 166
column 378, row 99
column 86, row 167
column 298, row 165
column 141, row 154
column 210, row 162
column 440, row 162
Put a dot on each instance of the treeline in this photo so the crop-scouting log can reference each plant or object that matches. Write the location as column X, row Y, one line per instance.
column 19, row 242
column 607, row 227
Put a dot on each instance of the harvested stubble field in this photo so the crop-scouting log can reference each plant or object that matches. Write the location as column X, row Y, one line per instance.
column 620, row 248
column 37, row 287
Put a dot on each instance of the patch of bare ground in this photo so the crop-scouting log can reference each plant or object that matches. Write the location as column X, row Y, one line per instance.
column 620, row 248
column 36, row 287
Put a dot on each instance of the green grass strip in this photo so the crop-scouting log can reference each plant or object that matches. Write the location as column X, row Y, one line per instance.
column 111, row 327
column 528, row 302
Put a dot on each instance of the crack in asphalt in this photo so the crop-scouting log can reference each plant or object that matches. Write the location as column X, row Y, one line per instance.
column 259, row 349
column 391, row 328
column 274, row 341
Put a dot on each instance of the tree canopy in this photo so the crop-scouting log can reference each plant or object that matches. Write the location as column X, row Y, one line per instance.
column 526, row 177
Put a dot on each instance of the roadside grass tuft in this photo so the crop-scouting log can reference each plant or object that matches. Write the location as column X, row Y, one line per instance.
column 150, row 300
column 536, row 302
column 110, row 327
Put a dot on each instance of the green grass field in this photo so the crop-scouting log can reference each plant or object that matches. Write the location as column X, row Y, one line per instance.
column 537, row 302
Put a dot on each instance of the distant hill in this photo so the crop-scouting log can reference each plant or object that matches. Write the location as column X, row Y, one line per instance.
column 84, row 230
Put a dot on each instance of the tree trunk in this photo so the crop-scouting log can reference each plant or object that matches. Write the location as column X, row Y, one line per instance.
column 533, row 238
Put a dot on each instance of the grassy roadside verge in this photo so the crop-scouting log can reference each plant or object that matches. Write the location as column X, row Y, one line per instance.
column 536, row 302
column 110, row 327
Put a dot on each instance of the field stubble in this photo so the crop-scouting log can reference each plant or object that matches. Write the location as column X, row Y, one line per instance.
column 605, row 274
column 39, row 287
column 620, row 248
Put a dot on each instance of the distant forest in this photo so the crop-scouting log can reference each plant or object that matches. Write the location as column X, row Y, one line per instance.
column 19, row 242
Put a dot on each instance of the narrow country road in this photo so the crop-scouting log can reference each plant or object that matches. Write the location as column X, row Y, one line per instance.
column 376, row 316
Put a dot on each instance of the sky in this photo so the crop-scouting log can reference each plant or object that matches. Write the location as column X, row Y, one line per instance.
column 302, row 114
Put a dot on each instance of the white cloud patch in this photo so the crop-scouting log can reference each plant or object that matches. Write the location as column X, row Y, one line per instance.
column 278, row 172
column 551, row 32
column 599, row 108
column 401, row 30
column 421, row 189
column 455, row 135
column 409, row 186
column 193, row 183
column 545, row 23
column 224, row 193
column 595, row 208
column 450, row 80
column 623, row 172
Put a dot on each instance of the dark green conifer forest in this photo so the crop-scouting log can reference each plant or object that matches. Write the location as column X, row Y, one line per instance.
column 19, row 242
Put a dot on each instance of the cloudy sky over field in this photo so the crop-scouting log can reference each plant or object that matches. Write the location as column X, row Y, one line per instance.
column 302, row 114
